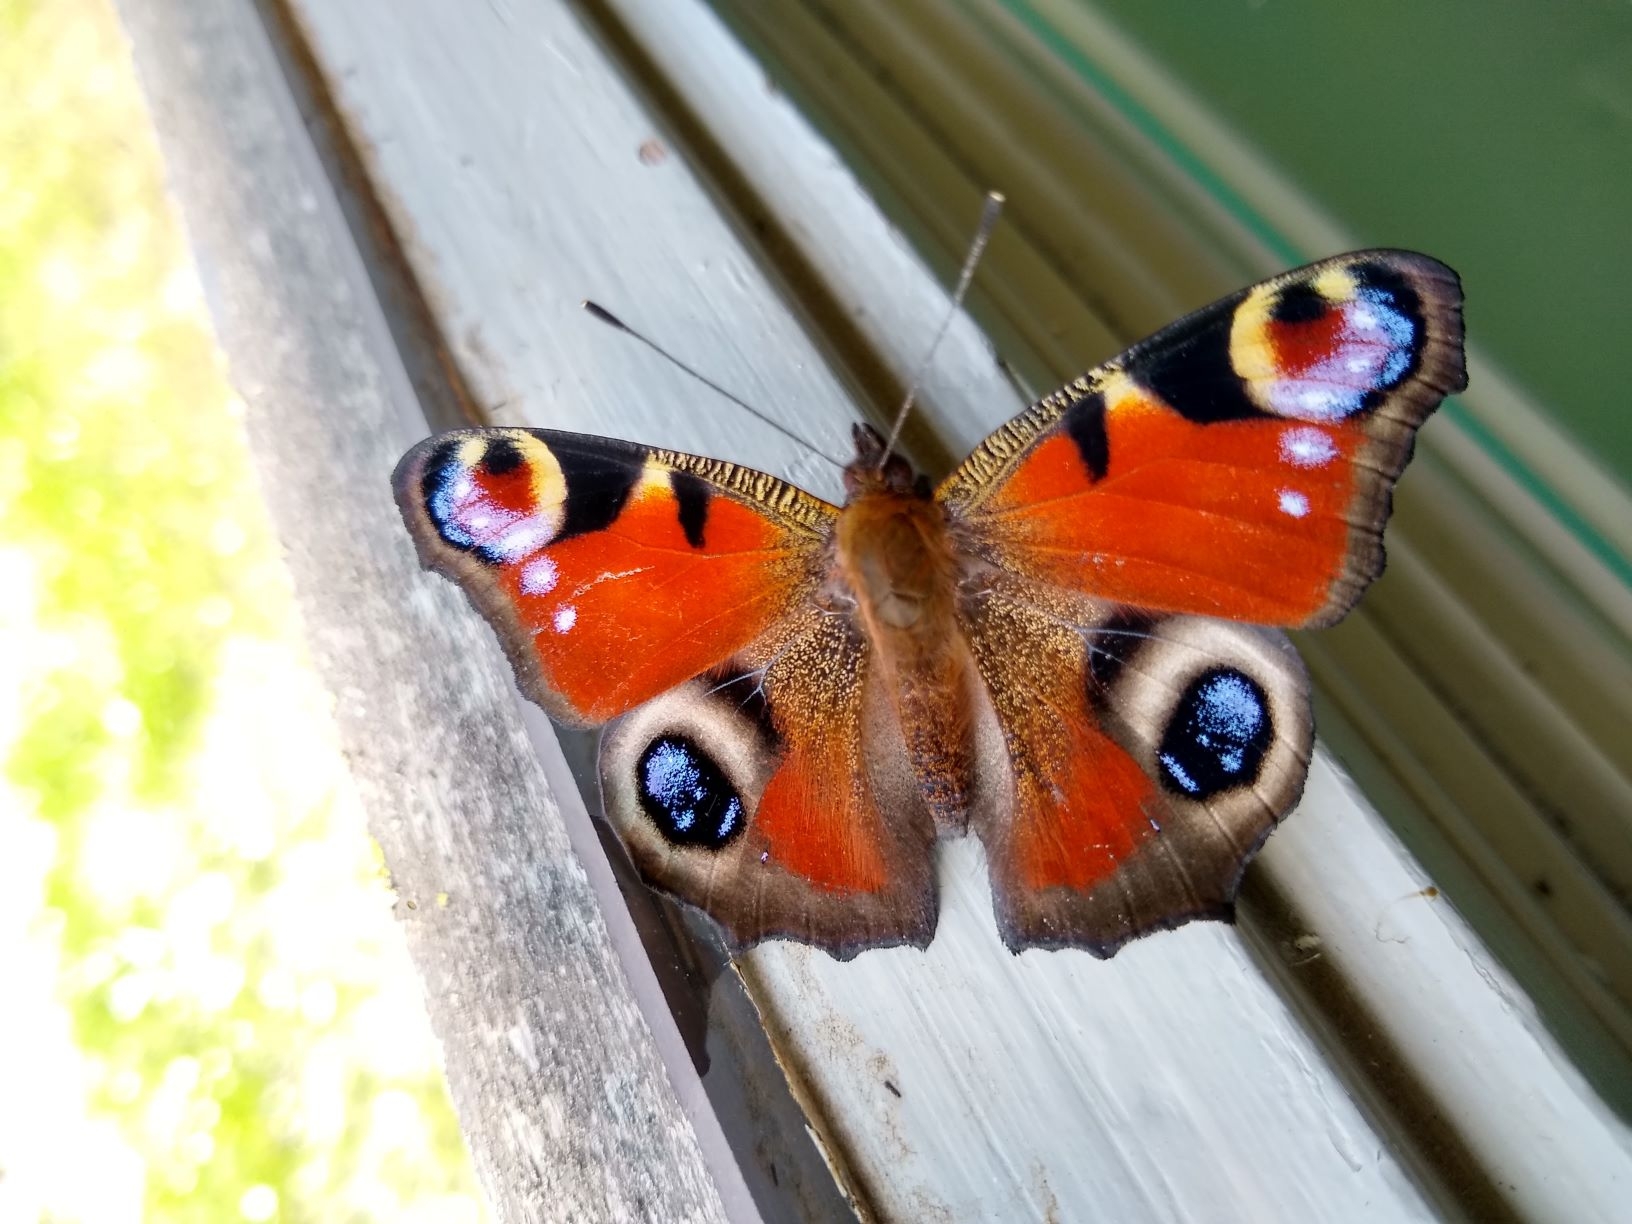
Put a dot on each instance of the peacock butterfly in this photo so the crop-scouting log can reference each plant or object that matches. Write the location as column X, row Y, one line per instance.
column 1057, row 647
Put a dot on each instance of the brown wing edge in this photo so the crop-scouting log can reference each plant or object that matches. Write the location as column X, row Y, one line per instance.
column 1391, row 425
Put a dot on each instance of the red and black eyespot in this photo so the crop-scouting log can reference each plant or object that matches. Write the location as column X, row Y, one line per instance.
column 482, row 501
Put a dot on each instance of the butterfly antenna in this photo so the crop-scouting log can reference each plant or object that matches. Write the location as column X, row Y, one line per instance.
column 1017, row 381
column 983, row 234
column 611, row 320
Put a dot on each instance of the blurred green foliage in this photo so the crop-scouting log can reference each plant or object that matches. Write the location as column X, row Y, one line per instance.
column 218, row 921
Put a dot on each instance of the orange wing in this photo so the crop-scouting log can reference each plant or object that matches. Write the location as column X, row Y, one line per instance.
column 678, row 592
column 1144, row 759
column 1237, row 464
column 611, row 572
column 774, row 794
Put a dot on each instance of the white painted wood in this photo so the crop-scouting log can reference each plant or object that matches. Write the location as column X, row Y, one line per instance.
column 1172, row 1082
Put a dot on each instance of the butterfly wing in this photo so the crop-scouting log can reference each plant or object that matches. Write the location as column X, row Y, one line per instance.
column 1238, row 464
column 680, row 593
column 1140, row 761
column 759, row 794
column 611, row 572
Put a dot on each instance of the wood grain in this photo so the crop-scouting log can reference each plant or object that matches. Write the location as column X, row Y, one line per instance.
column 567, row 1106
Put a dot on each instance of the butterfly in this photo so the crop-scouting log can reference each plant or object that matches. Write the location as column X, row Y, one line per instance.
column 1069, row 647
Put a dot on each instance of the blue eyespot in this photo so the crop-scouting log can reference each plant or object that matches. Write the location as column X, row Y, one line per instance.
column 1218, row 735
column 686, row 795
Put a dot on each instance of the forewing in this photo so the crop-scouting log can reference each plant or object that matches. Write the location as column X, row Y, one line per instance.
column 611, row 572
column 773, row 794
column 1238, row 463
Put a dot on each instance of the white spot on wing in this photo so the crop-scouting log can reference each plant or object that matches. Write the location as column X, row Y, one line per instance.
column 1307, row 447
column 565, row 618
column 1322, row 401
column 538, row 576
column 1294, row 503
column 525, row 535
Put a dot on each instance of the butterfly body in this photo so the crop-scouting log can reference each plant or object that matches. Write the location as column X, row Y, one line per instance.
column 1051, row 650
column 900, row 573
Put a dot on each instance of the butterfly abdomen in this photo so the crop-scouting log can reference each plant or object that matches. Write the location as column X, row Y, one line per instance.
column 895, row 555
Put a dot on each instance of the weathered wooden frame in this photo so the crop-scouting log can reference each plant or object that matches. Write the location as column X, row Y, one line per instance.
column 1349, row 1052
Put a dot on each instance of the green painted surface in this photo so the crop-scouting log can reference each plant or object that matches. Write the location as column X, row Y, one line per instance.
column 1497, row 136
